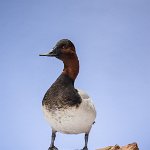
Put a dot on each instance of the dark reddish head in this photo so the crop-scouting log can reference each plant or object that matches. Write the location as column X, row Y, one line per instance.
column 65, row 51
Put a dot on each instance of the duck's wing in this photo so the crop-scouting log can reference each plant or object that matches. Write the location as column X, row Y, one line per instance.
column 85, row 97
column 87, row 103
column 83, row 94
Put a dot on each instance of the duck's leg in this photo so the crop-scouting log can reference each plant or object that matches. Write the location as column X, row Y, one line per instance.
column 52, row 147
column 86, row 141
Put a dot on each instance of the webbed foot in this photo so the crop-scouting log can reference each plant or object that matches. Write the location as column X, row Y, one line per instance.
column 53, row 148
column 85, row 148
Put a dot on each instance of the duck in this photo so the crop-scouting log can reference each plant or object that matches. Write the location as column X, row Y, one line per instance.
column 67, row 109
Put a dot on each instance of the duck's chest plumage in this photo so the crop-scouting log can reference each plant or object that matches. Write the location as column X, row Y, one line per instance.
column 67, row 109
column 61, row 94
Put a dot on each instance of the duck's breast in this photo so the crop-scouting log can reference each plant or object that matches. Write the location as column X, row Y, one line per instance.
column 73, row 120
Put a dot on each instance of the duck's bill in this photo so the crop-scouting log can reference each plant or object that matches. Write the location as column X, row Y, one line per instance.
column 50, row 54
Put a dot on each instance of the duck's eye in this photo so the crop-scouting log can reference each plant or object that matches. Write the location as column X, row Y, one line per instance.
column 63, row 46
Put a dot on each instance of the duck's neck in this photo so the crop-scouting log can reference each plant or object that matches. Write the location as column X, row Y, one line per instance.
column 71, row 67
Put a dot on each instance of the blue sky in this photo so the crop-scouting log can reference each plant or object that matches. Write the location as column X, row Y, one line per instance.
column 112, row 40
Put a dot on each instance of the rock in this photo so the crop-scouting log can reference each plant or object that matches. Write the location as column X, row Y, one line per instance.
column 132, row 146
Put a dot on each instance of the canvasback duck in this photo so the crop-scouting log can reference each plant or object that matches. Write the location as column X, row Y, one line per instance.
column 68, row 110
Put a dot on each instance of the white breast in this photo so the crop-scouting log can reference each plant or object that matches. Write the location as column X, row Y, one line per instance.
column 73, row 120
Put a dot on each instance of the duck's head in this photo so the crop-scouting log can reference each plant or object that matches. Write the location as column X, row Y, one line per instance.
column 63, row 49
